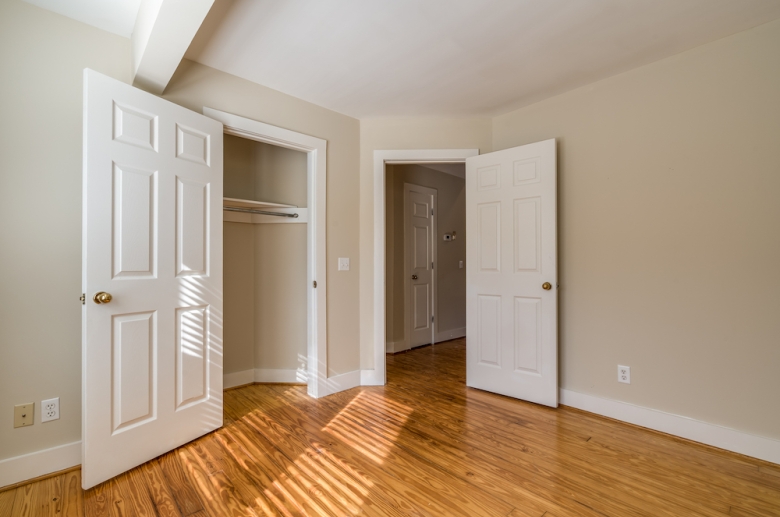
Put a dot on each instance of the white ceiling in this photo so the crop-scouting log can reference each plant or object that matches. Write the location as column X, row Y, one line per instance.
column 117, row 16
column 453, row 57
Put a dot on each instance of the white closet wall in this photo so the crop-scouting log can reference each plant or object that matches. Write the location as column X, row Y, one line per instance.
column 265, row 264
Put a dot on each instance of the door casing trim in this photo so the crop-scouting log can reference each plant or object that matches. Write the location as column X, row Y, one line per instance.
column 378, row 376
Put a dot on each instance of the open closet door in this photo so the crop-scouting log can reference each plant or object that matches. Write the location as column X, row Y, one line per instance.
column 511, row 273
column 152, row 276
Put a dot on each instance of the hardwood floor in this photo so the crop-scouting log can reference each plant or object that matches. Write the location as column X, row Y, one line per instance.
column 423, row 445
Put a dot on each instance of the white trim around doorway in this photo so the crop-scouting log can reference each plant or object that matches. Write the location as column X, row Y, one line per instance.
column 315, row 148
column 377, row 376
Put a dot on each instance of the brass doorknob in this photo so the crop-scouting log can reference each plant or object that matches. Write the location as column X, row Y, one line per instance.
column 414, row 277
column 547, row 286
column 102, row 297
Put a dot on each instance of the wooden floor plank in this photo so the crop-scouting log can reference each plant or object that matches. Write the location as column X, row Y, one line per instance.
column 180, row 485
column 72, row 495
column 23, row 502
column 7, row 502
column 132, row 486
column 159, row 492
column 216, row 491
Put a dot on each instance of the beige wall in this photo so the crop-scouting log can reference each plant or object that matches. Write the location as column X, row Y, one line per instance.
column 195, row 86
column 42, row 56
column 280, row 296
column 669, row 231
column 450, row 279
column 238, row 332
column 400, row 133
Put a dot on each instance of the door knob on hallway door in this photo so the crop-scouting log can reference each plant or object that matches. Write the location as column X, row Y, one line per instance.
column 414, row 277
column 547, row 286
column 102, row 297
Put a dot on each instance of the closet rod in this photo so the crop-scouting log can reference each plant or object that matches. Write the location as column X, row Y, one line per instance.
column 255, row 211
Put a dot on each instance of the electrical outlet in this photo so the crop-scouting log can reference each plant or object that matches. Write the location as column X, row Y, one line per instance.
column 50, row 410
column 343, row 264
column 624, row 374
column 23, row 414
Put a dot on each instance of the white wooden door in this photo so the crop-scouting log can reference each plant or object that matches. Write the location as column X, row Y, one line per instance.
column 418, row 243
column 511, row 273
column 152, row 239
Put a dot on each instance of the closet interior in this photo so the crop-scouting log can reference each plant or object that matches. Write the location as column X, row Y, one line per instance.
column 265, row 218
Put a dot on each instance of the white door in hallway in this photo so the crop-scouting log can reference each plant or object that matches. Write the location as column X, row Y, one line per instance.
column 511, row 273
column 419, row 231
column 152, row 277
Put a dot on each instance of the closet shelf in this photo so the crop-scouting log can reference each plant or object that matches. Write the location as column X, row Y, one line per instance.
column 248, row 203
column 253, row 212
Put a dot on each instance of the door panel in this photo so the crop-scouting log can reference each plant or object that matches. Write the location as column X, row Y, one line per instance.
column 135, row 220
column 192, row 217
column 528, row 342
column 489, row 330
column 489, row 237
column 421, row 300
column 192, row 355
column 527, row 235
column 512, row 343
column 134, row 343
column 152, row 238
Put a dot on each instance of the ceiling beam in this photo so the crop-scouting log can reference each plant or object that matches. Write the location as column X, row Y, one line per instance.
column 163, row 31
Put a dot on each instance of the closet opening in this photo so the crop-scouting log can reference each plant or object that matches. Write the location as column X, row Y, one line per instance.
column 265, row 260
column 273, row 251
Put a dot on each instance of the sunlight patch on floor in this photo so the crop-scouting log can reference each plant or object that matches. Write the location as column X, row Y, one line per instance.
column 345, row 427
column 318, row 481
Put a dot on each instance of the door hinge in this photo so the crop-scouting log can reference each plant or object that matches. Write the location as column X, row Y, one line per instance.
column 314, row 284
column 431, row 265
column 431, row 319
column 431, row 211
column 83, row 298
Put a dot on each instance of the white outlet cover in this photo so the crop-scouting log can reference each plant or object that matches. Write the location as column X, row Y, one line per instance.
column 50, row 409
column 343, row 264
column 624, row 374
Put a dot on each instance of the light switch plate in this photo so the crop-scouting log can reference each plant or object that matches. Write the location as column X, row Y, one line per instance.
column 343, row 264
column 23, row 414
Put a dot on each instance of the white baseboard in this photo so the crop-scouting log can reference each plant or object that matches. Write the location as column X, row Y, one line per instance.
column 392, row 347
column 267, row 375
column 39, row 463
column 726, row 438
column 231, row 380
column 371, row 378
column 341, row 382
column 446, row 335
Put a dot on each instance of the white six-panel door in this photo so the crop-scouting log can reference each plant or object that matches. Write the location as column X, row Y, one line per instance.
column 511, row 273
column 418, row 244
column 152, row 239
